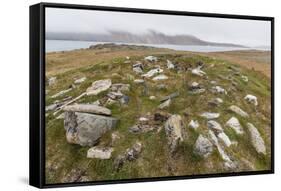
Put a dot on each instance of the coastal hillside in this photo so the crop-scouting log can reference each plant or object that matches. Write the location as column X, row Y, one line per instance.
column 121, row 112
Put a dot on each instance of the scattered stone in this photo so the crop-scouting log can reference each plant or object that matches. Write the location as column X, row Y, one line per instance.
column 214, row 126
column 152, row 97
column 138, row 70
column 195, row 88
column 52, row 81
column 171, row 96
column 193, row 124
column 161, row 116
column 197, row 71
column 61, row 93
column 165, row 104
column 234, row 123
column 152, row 72
column 225, row 139
column 203, row 147
column 245, row 78
column 139, row 81
column 251, row 99
column 120, row 87
column 151, row 58
column 256, row 139
column 79, row 81
column 51, row 107
column 209, row 115
column 174, row 129
column 98, row 87
column 86, row 129
column 100, row 152
column 170, row 65
column 161, row 87
column 238, row 111
column 130, row 155
column 125, row 100
column 114, row 95
column 88, row 108
column 218, row 89
column 160, row 77
column 215, row 102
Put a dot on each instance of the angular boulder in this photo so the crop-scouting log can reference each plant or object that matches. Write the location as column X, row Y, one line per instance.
column 98, row 87
column 88, row 108
column 86, row 129
column 203, row 147
column 174, row 129
column 100, row 152
column 238, row 111
column 214, row 126
column 234, row 123
column 256, row 139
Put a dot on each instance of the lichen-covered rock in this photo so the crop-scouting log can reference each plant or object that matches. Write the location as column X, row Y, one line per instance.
column 193, row 124
column 234, row 123
column 80, row 80
column 98, row 87
column 256, row 139
column 151, row 58
column 251, row 99
column 209, row 115
column 86, row 129
column 224, row 138
column 165, row 104
column 160, row 77
column 219, row 90
column 174, row 131
column 152, row 72
column 88, row 108
column 203, row 147
column 238, row 111
column 100, row 152
column 214, row 126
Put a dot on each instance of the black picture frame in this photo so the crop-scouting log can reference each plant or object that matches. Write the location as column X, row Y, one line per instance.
column 37, row 93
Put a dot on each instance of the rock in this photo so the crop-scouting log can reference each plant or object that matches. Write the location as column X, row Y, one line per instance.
column 193, row 124
column 209, row 115
column 170, row 65
column 51, row 107
column 238, row 111
column 137, row 70
column 151, row 58
column 86, row 129
column 143, row 120
column 161, row 87
column 109, row 102
column 127, row 57
column 214, row 126
column 213, row 82
column 61, row 93
column 215, row 102
column 130, row 155
column 114, row 95
column 139, row 81
column 119, row 87
column 97, row 102
column 197, row 71
column 160, row 77
column 256, row 139
column 88, row 108
column 195, row 88
column 80, row 80
column 174, row 129
column 125, row 100
column 99, row 152
column 233, row 123
column 52, row 81
column 171, row 96
column 251, row 99
column 224, row 138
column 152, row 72
column 152, row 97
column 165, row 104
column 98, row 87
column 115, row 136
column 218, row 89
column 245, row 78
column 228, row 163
column 161, row 116
column 203, row 147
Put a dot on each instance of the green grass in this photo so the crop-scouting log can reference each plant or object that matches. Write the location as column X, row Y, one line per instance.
column 155, row 161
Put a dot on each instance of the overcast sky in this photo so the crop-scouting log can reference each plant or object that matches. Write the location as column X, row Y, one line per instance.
column 238, row 31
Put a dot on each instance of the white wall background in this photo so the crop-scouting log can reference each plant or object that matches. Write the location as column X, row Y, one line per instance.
column 14, row 67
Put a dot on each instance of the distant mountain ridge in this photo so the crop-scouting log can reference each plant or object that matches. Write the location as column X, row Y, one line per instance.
column 152, row 37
